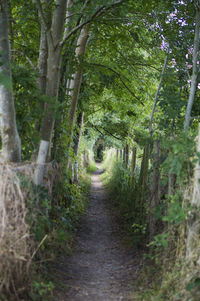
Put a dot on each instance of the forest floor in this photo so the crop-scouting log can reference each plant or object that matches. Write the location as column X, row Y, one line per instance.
column 102, row 267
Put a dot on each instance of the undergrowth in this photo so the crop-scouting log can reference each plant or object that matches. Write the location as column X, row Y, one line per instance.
column 36, row 228
column 166, row 274
column 122, row 191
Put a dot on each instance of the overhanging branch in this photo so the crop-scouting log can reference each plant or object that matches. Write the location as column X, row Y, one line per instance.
column 120, row 78
column 101, row 10
column 108, row 132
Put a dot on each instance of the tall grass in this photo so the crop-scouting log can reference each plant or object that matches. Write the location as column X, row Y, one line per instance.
column 16, row 245
column 122, row 190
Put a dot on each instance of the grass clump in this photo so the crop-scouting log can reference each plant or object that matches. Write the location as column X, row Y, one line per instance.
column 36, row 225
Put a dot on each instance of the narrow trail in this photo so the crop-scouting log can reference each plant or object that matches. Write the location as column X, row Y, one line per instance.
column 101, row 268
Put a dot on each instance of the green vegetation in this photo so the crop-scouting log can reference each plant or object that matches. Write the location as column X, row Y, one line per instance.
column 79, row 79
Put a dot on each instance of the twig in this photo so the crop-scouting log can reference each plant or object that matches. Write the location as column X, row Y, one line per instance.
column 27, row 58
column 44, row 238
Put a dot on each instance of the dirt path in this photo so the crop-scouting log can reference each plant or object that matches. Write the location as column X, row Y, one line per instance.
column 100, row 269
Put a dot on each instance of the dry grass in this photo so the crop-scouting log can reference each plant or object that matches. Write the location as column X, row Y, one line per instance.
column 15, row 242
column 17, row 248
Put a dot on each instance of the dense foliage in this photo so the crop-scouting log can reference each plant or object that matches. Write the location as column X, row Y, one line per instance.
column 99, row 75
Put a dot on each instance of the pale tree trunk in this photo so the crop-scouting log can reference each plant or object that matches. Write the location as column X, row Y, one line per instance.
column 171, row 175
column 77, row 145
column 127, row 155
column 195, row 67
column 133, row 164
column 43, row 55
column 171, row 183
column 38, row 176
column 11, row 145
column 124, row 155
column 120, row 155
column 43, row 52
column 117, row 155
column 157, row 94
column 155, row 190
column 54, row 38
column 53, row 66
column 75, row 83
column 142, row 183
column 192, row 245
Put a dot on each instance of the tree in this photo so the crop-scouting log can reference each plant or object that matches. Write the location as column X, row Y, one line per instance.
column 195, row 66
column 11, row 145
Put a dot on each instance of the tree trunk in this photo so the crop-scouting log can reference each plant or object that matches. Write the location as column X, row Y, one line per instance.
column 195, row 68
column 124, row 155
column 157, row 94
column 11, row 145
column 127, row 155
column 43, row 53
column 171, row 183
column 117, row 155
column 75, row 83
column 133, row 165
column 155, row 191
column 120, row 155
column 192, row 244
column 53, row 67
column 54, row 38
column 77, row 144
column 142, row 183
column 39, row 172
column 43, row 57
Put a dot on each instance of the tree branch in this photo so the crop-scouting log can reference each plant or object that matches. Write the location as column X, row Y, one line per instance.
column 41, row 13
column 137, row 64
column 106, row 132
column 102, row 9
column 67, row 35
column 26, row 57
column 42, row 16
column 120, row 78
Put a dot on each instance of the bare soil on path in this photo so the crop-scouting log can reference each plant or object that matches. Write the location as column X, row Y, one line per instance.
column 101, row 268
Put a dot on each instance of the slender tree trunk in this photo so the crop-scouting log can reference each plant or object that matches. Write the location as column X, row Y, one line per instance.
column 155, row 191
column 171, row 183
column 75, row 83
column 43, row 57
column 171, row 175
column 80, row 121
column 77, row 144
column 120, row 155
column 11, row 145
column 124, row 155
column 195, row 67
column 117, row 155
column 142, row 183
column 193, row 224
column 133, row 165
column 38, row 176
column 157, row 94
column 43, row 53
column 127, row 155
